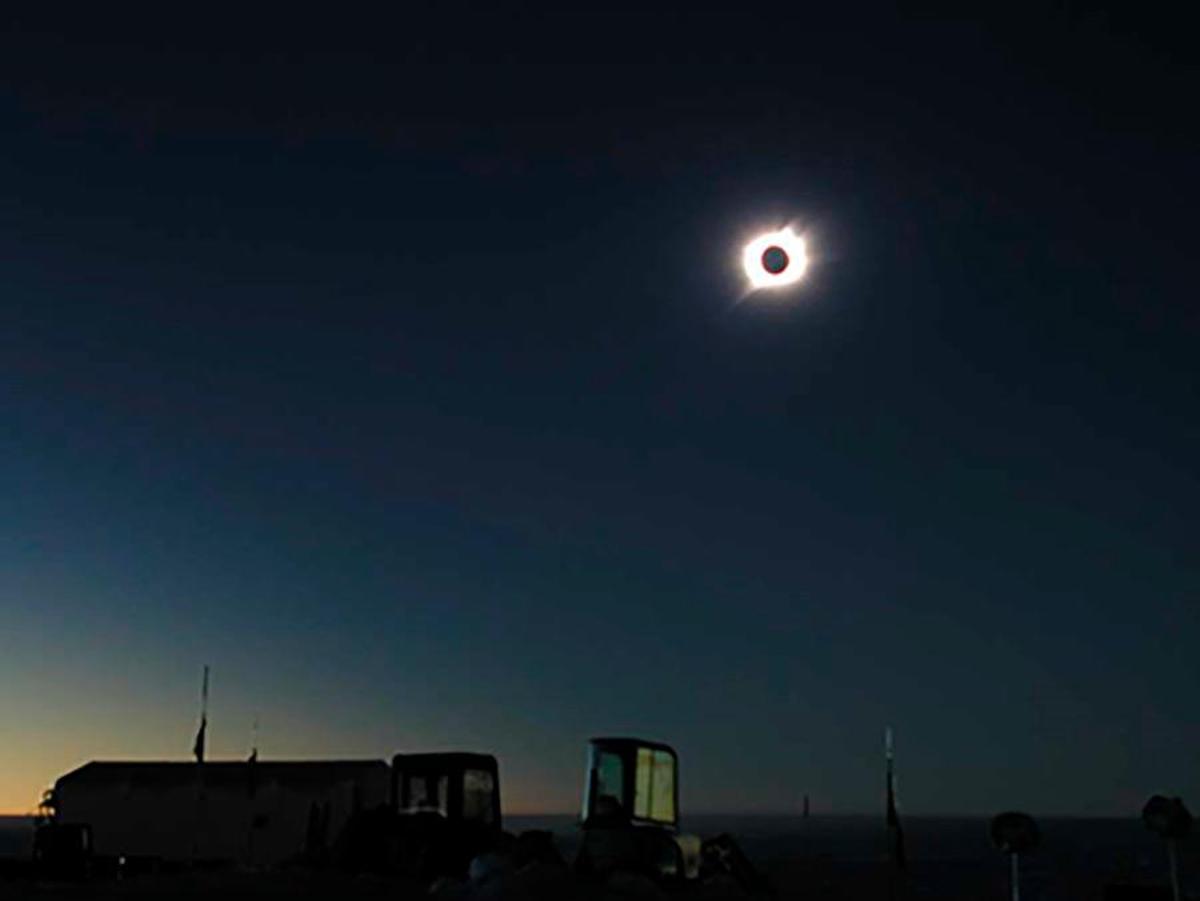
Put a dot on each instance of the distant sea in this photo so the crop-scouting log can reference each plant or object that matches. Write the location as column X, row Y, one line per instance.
column 844, row 857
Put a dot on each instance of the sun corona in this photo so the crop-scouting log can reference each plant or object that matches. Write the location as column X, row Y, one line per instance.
column 775, row 259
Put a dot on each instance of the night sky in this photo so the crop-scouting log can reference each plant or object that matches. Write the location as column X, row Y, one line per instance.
column 402, row 369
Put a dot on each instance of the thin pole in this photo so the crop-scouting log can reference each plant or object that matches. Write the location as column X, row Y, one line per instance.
column 201, row 740
column 1173, row 856
column 253, row 761
column 1015, row 877
column 204, row 694
column 895, row 835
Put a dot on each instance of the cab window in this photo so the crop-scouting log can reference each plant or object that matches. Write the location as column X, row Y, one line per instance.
column 479, row 789
column 654, row 797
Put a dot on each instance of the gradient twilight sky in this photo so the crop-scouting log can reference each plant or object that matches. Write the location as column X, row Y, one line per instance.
column 396, row 368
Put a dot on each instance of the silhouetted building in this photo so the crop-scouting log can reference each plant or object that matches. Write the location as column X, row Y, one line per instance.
column 246, row 811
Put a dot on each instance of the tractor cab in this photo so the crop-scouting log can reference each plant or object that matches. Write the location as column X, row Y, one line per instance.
column 633, row 781
column 443, row 810
column 630, row 815
column 458, row 787
column 446, row 811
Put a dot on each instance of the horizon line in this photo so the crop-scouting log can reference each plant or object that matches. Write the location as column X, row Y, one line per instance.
column 778, row 814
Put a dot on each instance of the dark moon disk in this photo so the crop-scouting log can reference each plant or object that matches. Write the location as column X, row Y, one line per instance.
column 775, row 259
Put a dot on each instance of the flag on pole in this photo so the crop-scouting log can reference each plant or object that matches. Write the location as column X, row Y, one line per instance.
column 252, row 762
column 895, row 832
column 198, row 746
column 252, row 773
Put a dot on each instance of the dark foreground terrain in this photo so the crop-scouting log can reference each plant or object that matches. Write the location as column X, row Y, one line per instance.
column 819, row 858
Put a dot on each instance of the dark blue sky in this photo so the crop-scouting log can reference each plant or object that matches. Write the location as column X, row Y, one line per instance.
column 399, row 370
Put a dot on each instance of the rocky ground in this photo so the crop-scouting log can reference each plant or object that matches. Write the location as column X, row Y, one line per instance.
column 1080, row 860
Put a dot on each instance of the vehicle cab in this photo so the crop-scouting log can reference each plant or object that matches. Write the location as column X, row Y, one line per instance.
column 630, row 816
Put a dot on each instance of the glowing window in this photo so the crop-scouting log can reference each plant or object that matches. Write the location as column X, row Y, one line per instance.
column 662, row 807
column 654, row 797
column 479, row 789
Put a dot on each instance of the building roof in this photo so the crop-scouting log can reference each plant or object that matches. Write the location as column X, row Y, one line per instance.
column 165, row 774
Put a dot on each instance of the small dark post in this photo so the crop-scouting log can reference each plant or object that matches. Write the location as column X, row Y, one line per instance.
column 899, row 859
column 1169, row 819
column 1015, row 833
column 198, row 748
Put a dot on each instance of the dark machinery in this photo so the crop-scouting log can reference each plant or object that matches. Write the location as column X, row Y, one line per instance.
column 448, row 810
column 444, row 810
column 630, row 820
column 60, row 850
column 631, row 814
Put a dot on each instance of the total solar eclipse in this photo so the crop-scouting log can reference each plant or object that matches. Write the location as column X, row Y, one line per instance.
column 775, row 259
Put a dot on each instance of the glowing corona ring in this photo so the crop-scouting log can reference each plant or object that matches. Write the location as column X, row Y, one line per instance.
column 775, row 259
